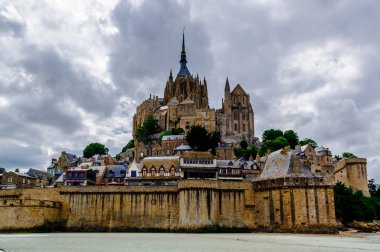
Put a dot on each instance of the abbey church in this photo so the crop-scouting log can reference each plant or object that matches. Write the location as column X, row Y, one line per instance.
column 185, row 103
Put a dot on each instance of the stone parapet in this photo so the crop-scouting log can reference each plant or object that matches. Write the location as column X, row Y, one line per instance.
column 288, row 182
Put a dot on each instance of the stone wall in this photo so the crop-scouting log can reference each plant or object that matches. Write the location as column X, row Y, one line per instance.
column 193, row 205
column 122, row 208
column 353, row 173
column 19, row 212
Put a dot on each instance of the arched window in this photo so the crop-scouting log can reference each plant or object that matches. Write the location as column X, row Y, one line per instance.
column 153, row 171
column 144, row 171
column 172, row 171
column 162, row 171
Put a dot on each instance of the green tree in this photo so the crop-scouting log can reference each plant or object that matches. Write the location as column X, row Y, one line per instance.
column 292, row 138
column 93, row 149
column 374, row 189
column 244, row 144
column 149, row 127
column 130, row 144
column 273, row 145
column 201, row 140
column 198, row 138
column 215, row 138
column 348, row 155
column 350, row 206
column 239, row 152
column 251, row 151
column 178, row 131
column 272, row 134
column 309, row 141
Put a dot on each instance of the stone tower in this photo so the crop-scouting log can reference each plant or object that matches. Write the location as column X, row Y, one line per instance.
column 185, row 86
column 236, row 117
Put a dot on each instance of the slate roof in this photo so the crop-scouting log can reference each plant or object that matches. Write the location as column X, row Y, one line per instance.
column 2, row 170
column 227, row 164
column 280, row 164
column 196, row 154
column 116, row 171
column 183, row 147
column 70, row 157
column 173, row 137
column 39, row 174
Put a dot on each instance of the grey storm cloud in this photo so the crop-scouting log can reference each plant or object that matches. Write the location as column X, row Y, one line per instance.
column 148, row 45
column 311, row 66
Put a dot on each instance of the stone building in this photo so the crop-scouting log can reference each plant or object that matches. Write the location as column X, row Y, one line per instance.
column 185, row 103
column 15, row 179
column 289, row 196
column 235, row 120
column 169, row 143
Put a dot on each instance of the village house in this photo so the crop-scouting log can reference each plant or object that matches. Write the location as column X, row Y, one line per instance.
column 114, row 175
column 160, row 170
column 169, row 143
column 16, row 180
column 81, row 177
column 229, row 170
column 43, row 178
column 197, row 165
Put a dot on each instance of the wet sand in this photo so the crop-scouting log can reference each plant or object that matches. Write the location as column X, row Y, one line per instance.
column 157, row 242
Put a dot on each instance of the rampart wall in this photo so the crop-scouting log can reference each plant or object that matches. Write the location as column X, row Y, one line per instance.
column 193, row 205
column 353, row 173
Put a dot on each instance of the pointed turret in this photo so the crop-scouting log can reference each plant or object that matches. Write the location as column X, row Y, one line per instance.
column 183, row 71
column 205, row 86
column 171, row 76
column 227, row 87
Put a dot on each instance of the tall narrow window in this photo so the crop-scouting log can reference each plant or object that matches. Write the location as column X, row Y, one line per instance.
column 172, row 171
column 144, row 171
column 153, row 172
column 162, row 171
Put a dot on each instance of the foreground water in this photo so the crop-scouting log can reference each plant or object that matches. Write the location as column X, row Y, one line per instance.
column 157, row 242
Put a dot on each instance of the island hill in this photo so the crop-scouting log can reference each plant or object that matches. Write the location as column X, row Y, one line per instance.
column 189, row 168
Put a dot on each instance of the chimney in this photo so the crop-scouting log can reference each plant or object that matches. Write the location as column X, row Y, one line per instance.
column 296, row 164
column 17, row 170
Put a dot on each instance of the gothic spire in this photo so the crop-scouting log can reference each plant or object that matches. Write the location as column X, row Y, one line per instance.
column 227, row 87
column 183, row 71
column 170, row 76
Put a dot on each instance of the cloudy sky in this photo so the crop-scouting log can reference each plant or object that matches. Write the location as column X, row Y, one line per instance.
column 72, row 72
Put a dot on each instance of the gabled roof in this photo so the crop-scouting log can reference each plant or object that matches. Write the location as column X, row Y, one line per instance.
column 228, row 164
column 187, row 101
column 173, row 101
column 281, row 164
column 39, row 174
column 238, row 89
column 70, row 157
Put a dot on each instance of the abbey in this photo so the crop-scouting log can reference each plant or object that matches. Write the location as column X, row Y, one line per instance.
column 185, row 103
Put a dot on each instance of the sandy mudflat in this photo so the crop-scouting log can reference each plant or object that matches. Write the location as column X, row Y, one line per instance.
column 157, row 242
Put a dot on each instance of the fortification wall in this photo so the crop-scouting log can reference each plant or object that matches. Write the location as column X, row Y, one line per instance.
column 191, row 206
column 31, row 209
column 122, row 208
column 353, row 173
column 205, row 204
